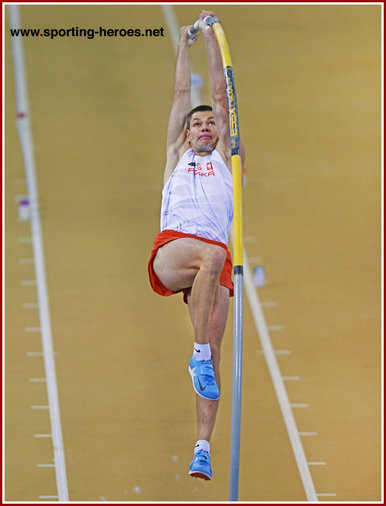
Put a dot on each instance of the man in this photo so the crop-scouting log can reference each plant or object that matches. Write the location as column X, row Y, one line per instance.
column 190, row 255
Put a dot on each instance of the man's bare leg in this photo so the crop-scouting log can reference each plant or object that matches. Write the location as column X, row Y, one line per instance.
column 185, row 263
column 191, row 263
column 207, row 409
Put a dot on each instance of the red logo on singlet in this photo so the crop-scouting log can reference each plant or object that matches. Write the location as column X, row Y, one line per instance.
column 197, row 170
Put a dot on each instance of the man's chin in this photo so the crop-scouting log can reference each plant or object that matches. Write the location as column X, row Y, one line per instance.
column 208, row 147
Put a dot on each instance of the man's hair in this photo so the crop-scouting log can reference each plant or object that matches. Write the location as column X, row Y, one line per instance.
column 196, row 109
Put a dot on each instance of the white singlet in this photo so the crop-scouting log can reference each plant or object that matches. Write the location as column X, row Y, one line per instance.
column 197, row 198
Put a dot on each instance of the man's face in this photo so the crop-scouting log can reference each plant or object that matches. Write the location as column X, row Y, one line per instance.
column 203, row 132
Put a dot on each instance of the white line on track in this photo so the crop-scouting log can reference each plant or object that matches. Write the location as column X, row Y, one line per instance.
column 30, row 305
column 32, row 329
column 291, row 378
column 45, row 465
column 20, row 196
column 278, row 383
column 277, row 352
column 28, row 282
column 38, row 354
column 308, row 433
column 173, row 25
column 26, row 261
column 256, row 260
column 39, row 407
column 268, row 304
column 37, row 380
column 26, row 142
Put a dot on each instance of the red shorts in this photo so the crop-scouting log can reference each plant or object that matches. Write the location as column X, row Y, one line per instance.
column 170, row 235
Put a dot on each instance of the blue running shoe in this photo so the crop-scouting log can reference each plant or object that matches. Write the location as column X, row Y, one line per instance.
column 200, row 466
column 204, row 382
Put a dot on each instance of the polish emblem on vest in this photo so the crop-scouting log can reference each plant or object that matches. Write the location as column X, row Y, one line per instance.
column 197, row 170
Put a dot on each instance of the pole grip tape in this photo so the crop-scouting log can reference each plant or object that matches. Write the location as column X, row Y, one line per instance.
column 230, row 85
column 238, row 270
column 232, row 111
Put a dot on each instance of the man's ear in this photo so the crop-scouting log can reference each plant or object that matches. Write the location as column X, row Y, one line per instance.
column 187, row 135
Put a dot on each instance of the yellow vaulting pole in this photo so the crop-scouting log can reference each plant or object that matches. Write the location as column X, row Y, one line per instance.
column 235, row 140
column 237, row 257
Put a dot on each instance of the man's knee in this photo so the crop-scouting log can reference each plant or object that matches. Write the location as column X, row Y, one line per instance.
column 214, row 259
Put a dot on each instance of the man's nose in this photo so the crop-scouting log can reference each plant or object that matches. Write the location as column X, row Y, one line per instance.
column 205, row 127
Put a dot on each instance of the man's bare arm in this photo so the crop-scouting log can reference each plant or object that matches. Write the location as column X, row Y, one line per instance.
column 217, row 87
column 218, row 90
column 181, row 103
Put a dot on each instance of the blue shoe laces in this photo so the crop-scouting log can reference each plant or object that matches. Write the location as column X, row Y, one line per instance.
column 201, row 455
